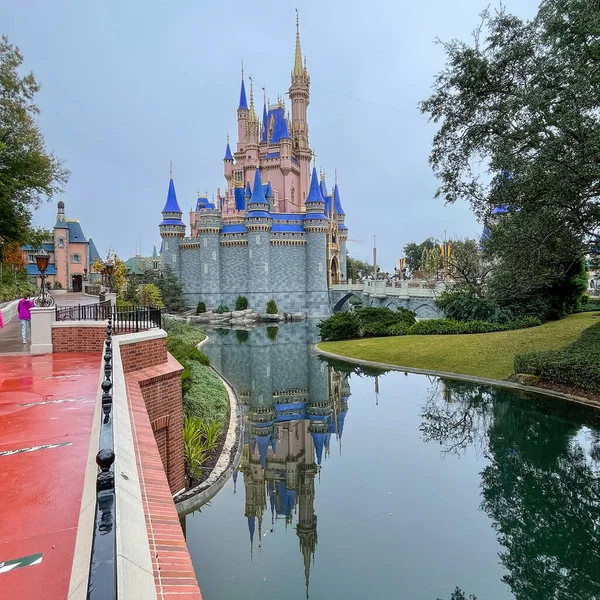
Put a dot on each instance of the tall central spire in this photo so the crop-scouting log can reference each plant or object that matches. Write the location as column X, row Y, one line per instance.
column 298, row 68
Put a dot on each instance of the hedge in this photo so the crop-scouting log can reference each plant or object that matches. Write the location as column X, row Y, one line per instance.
column 450, row 327
column 576, row 365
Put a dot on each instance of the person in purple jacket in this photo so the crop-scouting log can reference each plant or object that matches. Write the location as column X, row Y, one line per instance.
column 23, row 308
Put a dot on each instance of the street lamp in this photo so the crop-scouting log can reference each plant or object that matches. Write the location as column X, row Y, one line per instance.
column 43, row 298
column 109, row 267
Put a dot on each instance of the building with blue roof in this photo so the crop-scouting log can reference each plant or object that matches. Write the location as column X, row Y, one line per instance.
column 71, row 255
column 274, row 231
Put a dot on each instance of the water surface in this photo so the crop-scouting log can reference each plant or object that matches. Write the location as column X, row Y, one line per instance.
column 359, row 484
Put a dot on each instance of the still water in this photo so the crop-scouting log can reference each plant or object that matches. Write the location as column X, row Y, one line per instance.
column 359, row 484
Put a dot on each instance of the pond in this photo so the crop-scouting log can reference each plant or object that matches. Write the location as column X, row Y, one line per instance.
column 358, row 484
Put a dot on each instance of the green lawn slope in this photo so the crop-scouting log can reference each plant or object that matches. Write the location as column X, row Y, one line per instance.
column 487, row 355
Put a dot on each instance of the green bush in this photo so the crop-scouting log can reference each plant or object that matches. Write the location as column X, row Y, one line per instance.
column 241, row 303
column 376, row 329
column 272, row 307
column 576, row 365
column 465, row 305
column 398, row 329
column 272, row 333
column 451, row 327
column 201, row 308
column 221, row 309
column 340, row 326
column 206, row 398
column 385, row 316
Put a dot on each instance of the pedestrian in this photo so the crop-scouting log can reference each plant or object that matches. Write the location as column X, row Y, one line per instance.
column 25, row 305
column 1, row 320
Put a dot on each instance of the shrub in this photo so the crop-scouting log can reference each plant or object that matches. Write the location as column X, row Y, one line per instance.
column 465, row 305
column 340, row 326
column 272, row 307
column 200, row 308
column 221, row 309
column 451, row 327
column 376, row 329
column 150, row 296
column 206, row 397
column 576, row 365
column 272, row 333
column 241, row 303
column 58, row 285
column 385, row 316
column 398, row 329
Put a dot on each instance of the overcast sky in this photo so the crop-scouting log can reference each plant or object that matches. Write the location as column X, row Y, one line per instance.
column 126, row 86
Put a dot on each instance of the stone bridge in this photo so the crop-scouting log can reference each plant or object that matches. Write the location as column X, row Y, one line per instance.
column 416, row 296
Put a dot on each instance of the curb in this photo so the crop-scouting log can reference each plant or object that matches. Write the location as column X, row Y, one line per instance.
column 460, row 377
column 191, row 500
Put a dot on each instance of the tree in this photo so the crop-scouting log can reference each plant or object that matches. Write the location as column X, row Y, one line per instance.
column 28, row 172
column 131, row 292
column 118, row 279
column 357, row 269
column 171, row 291
column 519, row 116
column 414, row 253
column 150, row 296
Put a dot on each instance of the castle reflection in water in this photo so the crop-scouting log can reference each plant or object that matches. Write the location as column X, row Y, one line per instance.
column 294, row 411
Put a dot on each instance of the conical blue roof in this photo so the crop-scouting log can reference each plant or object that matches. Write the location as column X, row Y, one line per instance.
column 269, row 191
column 251, row 527
column 258, row 196
column 337, row 203
column 284, row 131
column 314, row 195
column 243, row 101
column 263, row 442
column 171, row 204
column 265, row 123
column 319, row 440
column 248, row 192
column 323, row 187
column 228, row 155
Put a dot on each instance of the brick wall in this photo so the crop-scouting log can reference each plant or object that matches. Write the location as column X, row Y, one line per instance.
column 160, row 387
column 141, row 355
column 78, row 339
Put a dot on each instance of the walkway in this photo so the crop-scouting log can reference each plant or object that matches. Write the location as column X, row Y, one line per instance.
column 10, row 336
column 46, row 413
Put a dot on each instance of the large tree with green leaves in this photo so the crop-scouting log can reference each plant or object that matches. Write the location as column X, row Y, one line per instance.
column 28, row 172
column 518, row 108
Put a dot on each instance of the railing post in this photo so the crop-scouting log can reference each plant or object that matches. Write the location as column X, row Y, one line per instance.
column 102, row 583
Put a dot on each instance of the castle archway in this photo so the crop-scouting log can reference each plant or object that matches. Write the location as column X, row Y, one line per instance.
column 340, row 303
column 335, row 271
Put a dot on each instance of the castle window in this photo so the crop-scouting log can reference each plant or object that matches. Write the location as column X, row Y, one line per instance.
column 258, row 240
column 76, row 259
column 206, row 267
column 214, row 255
column 250, row 253
column 205, row 242
column 174, row 258
column 31, row 259
column 266, row 267
column 166, row 245
column 61, row 242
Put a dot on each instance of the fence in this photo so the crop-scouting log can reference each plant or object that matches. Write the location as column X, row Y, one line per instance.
column 125, row 319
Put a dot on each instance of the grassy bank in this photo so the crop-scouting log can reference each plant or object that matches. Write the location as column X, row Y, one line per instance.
column 488, row 355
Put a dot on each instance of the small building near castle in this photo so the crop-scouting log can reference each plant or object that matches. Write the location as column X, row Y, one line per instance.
column 275, row 232
column 71, row 255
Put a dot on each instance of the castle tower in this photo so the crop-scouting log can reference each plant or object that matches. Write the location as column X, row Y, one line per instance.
column 258, row 226
column 316, row 226
column 252, row 135
column 208, row 228
column 228, row 162
column 172, row 230
column 299, row 93
column 242, row 117
column 342, row 231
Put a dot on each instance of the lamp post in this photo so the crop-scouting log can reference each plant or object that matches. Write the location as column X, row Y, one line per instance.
column 43, row 298
column 109, row 267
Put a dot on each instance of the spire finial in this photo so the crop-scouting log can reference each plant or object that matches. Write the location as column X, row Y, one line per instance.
column 242, row 68
column 264, row 89
column 298, row 55
column 228, row 138
column 314, row 159
column 335, row 175
column 198, row 192
column 170, row 169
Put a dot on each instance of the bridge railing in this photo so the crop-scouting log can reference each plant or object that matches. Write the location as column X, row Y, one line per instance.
column 398, row 288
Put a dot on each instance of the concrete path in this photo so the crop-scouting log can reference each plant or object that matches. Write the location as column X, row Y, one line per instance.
column 10, row 336
column 46, row 414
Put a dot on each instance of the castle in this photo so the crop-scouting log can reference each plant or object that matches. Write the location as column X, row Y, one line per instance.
column 276, row 232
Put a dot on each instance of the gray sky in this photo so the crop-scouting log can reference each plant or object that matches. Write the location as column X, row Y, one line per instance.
column 126, row 86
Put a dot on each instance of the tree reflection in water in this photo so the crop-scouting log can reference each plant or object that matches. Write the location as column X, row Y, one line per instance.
column 541, row 487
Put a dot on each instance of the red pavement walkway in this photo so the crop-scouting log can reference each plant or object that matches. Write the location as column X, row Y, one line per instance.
column 46, row 412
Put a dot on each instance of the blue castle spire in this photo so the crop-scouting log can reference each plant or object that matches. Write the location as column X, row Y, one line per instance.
column 243, row 101
column 265, row 123
column 228, row 155
column 319, row 441
column 337, row 203
column 258, row 195
column 314, row 194
column 248, row 191
column 171, row 204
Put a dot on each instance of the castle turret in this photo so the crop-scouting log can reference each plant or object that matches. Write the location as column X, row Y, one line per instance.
column 342, row 230
column 253, row 134
column 228, row 162
column 258, row 225
column 242, row 117
column 299, row 93
column 172, row 230
column 208, row 227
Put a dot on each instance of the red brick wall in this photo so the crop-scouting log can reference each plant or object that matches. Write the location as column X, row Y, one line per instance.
column 160, row 386
column 143, row 354
column 78, row 339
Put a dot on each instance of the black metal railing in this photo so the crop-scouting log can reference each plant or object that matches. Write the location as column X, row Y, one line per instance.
column 125, row 319
column 84, row 312
column 136, row 318
column 102, row 584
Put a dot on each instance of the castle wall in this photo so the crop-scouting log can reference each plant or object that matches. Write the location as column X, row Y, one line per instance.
column 234, row 271
column 317, row 294
column 288, row 277
column 190, row 270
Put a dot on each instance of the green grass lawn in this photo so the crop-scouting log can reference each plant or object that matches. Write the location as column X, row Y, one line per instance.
column 487, row 355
